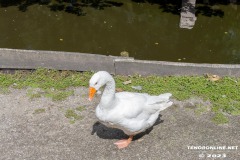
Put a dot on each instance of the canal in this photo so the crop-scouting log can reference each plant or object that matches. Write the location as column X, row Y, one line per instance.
column 146, row 29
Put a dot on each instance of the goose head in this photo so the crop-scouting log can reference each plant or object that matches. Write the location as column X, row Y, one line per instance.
column 98, row 80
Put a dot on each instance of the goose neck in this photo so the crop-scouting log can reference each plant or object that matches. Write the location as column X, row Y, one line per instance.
column 108, row 96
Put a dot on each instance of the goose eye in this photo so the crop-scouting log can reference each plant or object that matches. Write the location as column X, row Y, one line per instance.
column 95, row 83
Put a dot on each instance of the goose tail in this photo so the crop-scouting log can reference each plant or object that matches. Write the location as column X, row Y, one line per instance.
column 160, row 102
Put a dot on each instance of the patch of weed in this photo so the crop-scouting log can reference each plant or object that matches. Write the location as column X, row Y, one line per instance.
column 4, row 90
column 59, row 95
column 39, row 110
column 32, row 94
column 220, row 118
column 72, row 115
column 201, row 110
column 80, row 108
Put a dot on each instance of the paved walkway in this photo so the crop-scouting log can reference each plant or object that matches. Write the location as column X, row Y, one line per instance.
column 49, row 135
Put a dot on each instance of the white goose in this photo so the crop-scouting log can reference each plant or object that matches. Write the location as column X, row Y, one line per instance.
column 131, row 112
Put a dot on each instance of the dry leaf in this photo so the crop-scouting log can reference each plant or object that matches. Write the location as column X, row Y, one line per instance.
column 127, row 82
column 140, row 140
column 124, row 54
column 213, row 78
column 119, row 90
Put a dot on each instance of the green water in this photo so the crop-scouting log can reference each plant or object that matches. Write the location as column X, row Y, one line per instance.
column 147, row 31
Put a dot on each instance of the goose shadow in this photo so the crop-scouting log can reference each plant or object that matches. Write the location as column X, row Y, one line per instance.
column 105, row 132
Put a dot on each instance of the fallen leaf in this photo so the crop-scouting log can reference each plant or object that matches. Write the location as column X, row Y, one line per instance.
column 213, row 77
column 119, row 89
column 127, row 82
column 140, row 140
column 124, row 54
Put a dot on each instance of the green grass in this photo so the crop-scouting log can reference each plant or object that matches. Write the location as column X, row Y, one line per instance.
column 224, row 94
column 54, row 83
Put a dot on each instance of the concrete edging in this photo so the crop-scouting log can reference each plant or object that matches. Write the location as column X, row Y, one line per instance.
column 174, row 68
column 32, row 59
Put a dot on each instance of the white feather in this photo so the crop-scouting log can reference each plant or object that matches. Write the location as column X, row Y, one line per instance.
column 131, row 112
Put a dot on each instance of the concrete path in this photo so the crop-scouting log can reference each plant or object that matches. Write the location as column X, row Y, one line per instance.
column 49, row 135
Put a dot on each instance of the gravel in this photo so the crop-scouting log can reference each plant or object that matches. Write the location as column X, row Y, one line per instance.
column 49, row 135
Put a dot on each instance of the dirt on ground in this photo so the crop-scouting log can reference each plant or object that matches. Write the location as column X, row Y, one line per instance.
column 42, row 129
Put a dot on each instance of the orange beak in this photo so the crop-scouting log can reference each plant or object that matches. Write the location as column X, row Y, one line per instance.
column 92, row 92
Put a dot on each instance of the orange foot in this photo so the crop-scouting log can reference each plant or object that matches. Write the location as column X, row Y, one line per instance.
column 124, row 143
